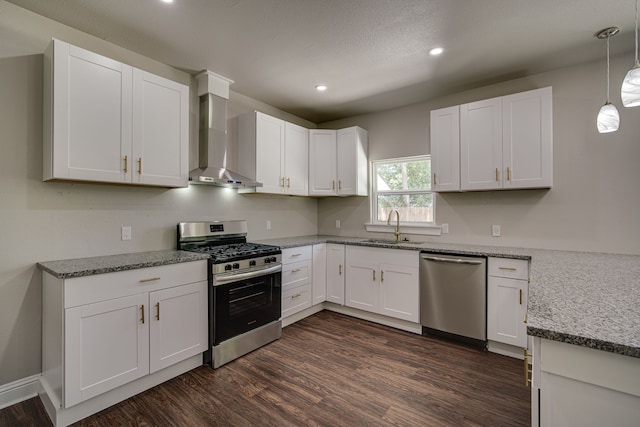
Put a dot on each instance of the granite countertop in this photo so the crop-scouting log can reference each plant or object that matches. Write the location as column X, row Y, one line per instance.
column 79, row 267
column 582, row 298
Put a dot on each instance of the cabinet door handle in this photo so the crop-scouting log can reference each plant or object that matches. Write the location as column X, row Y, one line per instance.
column 374, row 275
column 126, row 164
column 508, row 173
column 435, row 181
column 282, row 181
column 497, row 176
column 142, row 314
column 381, row 276
column 151, row 279
column 288, row 182
column 339, row 184
column 340, row 269
column 520, row 296
column 157, row 311
column 140, row 165
column 333, row 184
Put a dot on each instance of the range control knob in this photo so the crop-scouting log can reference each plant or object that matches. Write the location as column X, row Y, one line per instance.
column 273, row 259
column 236, row 266
column 252, row 263
column 227, row 267
column 267, row 260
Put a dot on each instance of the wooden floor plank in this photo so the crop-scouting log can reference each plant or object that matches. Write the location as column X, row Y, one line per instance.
column 329, row 370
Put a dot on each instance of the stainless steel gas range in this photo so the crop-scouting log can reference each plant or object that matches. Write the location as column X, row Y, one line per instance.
column 245, row 288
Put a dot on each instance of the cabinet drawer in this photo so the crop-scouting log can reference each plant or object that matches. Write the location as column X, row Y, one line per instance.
column 296, row 274
column 101, row 287
column 301, row 253
column 509, row 268
column 296, row 299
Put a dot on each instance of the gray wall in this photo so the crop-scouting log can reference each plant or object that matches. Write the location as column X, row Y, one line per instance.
column 595, row 200
column 41, row 221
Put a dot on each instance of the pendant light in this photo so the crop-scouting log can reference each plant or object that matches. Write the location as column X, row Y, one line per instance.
column 630, row 91
column 608, row 117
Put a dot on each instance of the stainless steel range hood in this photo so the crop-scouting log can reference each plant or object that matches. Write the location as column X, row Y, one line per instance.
column 213, row 141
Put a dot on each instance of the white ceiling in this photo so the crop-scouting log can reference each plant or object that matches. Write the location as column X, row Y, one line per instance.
column 371, row 53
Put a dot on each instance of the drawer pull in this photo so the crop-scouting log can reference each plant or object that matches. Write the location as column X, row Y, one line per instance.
column 142, row 314
column 508, row 268
column 296, row 296
column 295, row 270
column 295, row 255
column 151, row 279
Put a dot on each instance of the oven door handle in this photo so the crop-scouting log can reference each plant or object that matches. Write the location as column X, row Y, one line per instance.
column 223, row 280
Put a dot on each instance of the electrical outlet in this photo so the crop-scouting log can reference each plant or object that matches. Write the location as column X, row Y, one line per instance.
column 337, row 223
column 126, row 232
column 495, row 230
column 268, row 224
column 445, row 228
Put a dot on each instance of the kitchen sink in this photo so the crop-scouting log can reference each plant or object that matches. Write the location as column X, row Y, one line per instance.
column 382, row 241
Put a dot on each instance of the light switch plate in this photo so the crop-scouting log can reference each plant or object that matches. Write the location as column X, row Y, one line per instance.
column 337, row 223
column 445, row 228
column 126, row 232
column 495, row 230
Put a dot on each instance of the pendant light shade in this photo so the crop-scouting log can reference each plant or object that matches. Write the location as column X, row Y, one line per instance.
column 630, row 91
column 608, row 117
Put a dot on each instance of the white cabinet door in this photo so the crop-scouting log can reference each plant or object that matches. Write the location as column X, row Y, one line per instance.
column 269, row 153
column 399, row 292
column 481, row 145
column 362, row 279
column 445, row 149
column 160, row 131
column 106, row 346
column 335, row 273
column 322, row 162
column 506, row 309
column 319, row 271
column 352, row 168
column 87, row 121
column 178, row 324
column 296, row 160
column 528, row 139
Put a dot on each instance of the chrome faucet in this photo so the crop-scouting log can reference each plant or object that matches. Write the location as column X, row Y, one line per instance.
column 397, row 233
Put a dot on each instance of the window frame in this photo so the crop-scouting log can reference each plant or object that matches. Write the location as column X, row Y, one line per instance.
column 409, row 227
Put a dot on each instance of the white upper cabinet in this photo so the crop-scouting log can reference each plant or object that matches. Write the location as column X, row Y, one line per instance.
column 527, row 142
column 481, row 144
column 503, row 143
column 445, row 149
column 338, row 162
column 273, row 152
column 105, row 121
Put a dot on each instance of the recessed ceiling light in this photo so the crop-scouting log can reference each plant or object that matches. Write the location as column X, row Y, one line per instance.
column 436, row 51
column 321, row 87
column 167, row 1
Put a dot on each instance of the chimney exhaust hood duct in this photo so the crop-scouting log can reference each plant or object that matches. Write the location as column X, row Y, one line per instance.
column 213, row 91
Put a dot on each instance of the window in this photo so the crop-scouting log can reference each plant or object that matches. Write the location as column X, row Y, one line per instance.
column 404, row 185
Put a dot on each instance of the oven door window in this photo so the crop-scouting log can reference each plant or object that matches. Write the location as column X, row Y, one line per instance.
column 245, row 305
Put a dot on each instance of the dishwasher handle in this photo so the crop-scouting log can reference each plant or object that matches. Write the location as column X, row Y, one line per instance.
column 451, row 260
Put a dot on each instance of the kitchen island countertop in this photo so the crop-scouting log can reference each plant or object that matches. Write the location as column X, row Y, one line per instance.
column 582, row 298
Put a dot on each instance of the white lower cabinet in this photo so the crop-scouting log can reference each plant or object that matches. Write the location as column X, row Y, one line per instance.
column 335, row 273
column 296, row 279
column 103, row 331
column 319, row 270
column 383, row 281
column 572, row 393
column 507, row 294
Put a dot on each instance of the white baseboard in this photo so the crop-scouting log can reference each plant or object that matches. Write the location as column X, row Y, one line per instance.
column 506, row 350
column 19, row 390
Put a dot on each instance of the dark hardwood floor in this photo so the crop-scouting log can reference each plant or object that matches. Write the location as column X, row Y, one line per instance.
column 329, row 370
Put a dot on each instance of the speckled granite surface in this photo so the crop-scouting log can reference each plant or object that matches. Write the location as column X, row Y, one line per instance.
column 66, row 269
column 581, row 298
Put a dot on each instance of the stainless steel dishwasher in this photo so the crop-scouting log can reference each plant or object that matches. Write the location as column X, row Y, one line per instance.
column 453, row 297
